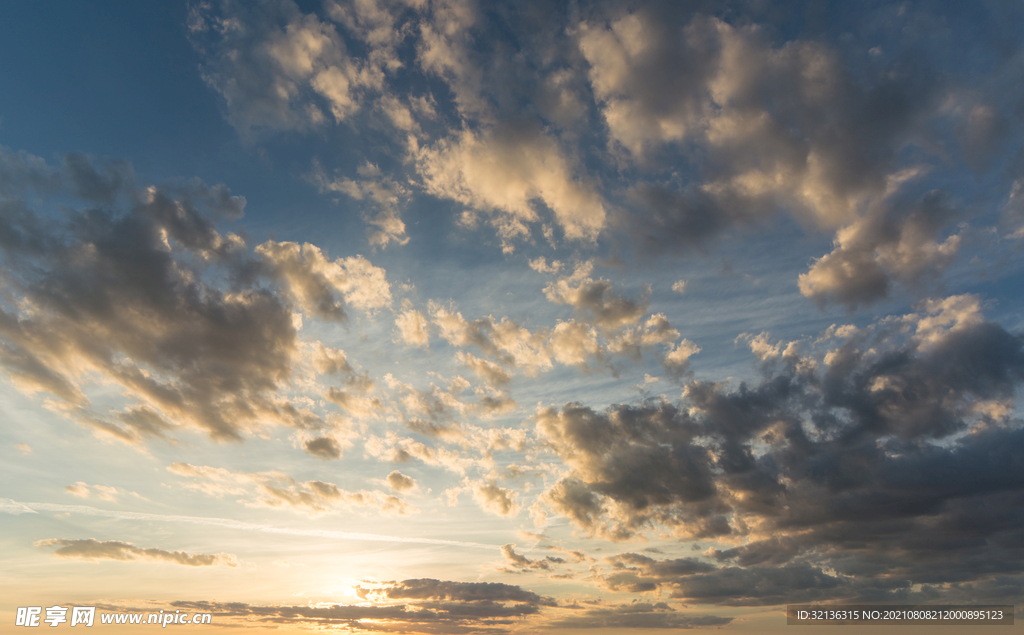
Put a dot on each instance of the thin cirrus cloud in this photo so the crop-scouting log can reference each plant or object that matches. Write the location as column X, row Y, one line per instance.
column 9, row 506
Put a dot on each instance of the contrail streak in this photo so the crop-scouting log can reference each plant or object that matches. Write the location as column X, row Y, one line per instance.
column 14, row 507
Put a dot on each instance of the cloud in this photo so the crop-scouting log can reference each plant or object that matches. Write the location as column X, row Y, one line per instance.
column 9, row 506
column 677, row 359
column 630, row 342
column 380, row 191
column 575, row 344
column 490, row 372
column 501, row 171
column 275, row 67
column 431, row 589
column 79, row 489
column 92, row 549
column 522, row 563
column 397, row 449
column 541, row 265
column 511, row 343
column 314, row 281
column 324, row 447
column 628, row 466
column 849, row 471
column 444, row 50
column 400, row 482
column 274, row 489
column 880, row 248
column 412, row 327
column 779, row 127
column 417, row 605
column 131, row 293
column 102, row 492
column 23, row 449
column 595, row 301
column 495, row 499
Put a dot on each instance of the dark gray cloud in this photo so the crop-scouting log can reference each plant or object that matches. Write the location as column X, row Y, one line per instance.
column 893, row 244
column 420, row 605
column 431, row 589
column 92, row 549
column 859, row 471
column 137, row 286
column 642, row 458
column 324, row 447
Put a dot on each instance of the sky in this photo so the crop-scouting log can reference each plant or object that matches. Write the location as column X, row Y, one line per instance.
column 451, row 316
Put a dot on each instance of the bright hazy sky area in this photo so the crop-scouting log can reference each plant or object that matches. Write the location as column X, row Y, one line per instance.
column 455, row 316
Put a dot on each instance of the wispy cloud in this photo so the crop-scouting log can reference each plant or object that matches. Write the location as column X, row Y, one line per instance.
column 9, row 506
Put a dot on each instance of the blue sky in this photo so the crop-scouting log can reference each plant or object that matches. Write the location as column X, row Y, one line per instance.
column 636, row 307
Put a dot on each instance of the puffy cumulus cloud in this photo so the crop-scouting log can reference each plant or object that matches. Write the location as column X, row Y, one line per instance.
column 759, row 111
column 542, row 265
column 630, row 466
column 412, row 328
column 277, row 68
column 400, row 482
column 92, row 549
column 870, row 464
column 329, row 361
column 937, row 320
column 575, row 344
column 637, row 615
column 397, row 449
column 323, row 447
column 315, row 282
column 656, row 330
column 647, row 78
column 441, row 411
column 511, row 343
column 881, row 248
column 779, row 127
column 134, row 292
column 382, row 192
column 677, row 359
column 570, row 342
column 495, row 499
column 274, row 489
column 595, row 300
column 502, row 171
